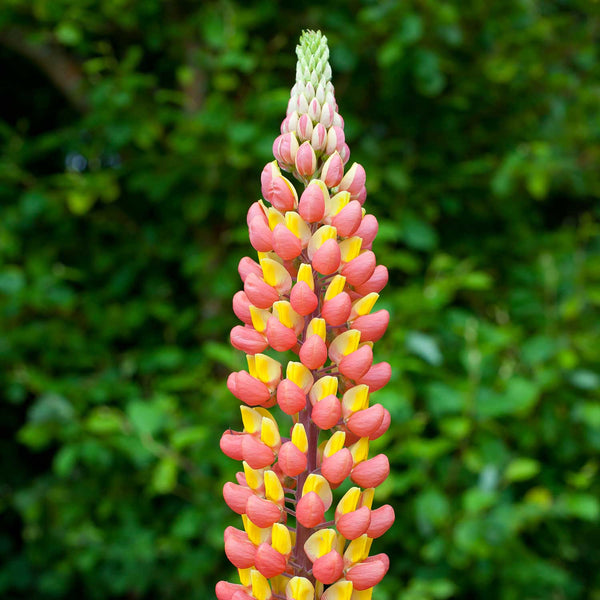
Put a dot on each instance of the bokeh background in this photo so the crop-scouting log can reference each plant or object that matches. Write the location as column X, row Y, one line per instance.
column 133, row 134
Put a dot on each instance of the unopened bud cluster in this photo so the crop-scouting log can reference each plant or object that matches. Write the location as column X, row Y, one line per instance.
column 312, row 293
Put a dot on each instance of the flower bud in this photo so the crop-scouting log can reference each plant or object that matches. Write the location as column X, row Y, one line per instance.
column 382, row 519
column 318, row 138
column 384, row 425
column 247, row 266
column 280, row 337
column 314, row 110
column 328, row 568
column 256, row 453
column 263, row 513
column 354, row 180
column 366, row 422
column 326, row 259
column 337, row 310
column 283, row 194
column 236, row 496
column 371, row 473
column 312, row 202
column 239, row 549
column 333, row 170
column 375, row 283
column 345, row 154
column 348, row 219
column 327, row 412
column 260, row 294
column 260, row 235
column 313, row 353
column 372, row 326
column 327, row 114
column 285, row 148
column 337, row 467
column 291, row 460
column 304, row 128
column 269, row 562
column 369, row 572
column 241, row 307
column 247, row 339
column 310, row 510
column 290, row 398
column 359, row 269
column 335, row 141
column 249, row 390
column 356, row 364
column 303, row 300
column 377, row 376
column 354, row 524
column 367, row 230
column 226, row 591
column 285, row 243
column 306, row 160
column 231, row 445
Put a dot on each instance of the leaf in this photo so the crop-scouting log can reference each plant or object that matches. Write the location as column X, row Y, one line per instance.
column 146, row 417
column 521, row 469
column 425, row 347
column 164, row 478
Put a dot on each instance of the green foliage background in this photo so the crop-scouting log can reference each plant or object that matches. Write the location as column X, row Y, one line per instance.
column 133, row 135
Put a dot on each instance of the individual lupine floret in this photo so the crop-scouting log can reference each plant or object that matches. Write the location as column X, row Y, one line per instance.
column 312, row 293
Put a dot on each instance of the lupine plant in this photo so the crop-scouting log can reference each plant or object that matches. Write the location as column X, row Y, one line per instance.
column 311, row 295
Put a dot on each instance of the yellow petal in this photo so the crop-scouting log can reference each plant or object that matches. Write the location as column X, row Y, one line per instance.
column 364, row 305
column 299, row 438
column 360, row 450
column 356, row 398
column 305, row 274
column 283, row 310
column 251, row 419
column 335, row 443
column 323, row 387
column 350, row 248
column 300, row 588
column 280, row 538
column 317, row 326
column 349, row 501
column 342, row 590
column 335, row 287
column 362, row 594
column 254, row 477
column 269, row 433
column 267, row 369
column 319, row 543
column 300, row 375
column 297, row 225
column 255, row 534
column 358, row 549
column 259, row 316
column 260, row 586
column 275, row 218
column 334, row 204
column 273, row 487
column 244, row 575
column 319, row 485
column 319, row 237
column 344, row 344
column 367, row 497
column 276, row 275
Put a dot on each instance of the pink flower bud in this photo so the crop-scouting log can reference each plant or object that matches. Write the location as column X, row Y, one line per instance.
column 310, row 510
column 285, row 243
column 337, row 310
column 372, row 472
column 384, row 426
column 303, row 300
column 306, row 160
column 382, row 519
column 261, row 294
column 249, row 390
column 368, row 573
column 318, row 139
column 313, row 353
column 354, row 524
column 290, row 397
column 247, row 339
column 345, row 153
column 357, row 363
column 367, row 230
column 354, row 179
column 285, row 148
column 314, row 109
column 377, row 376
column 263, row 513
column 327, row 113
column 304, row 128
column 256, row 209
column 312, row 203
column 239, row 549
column 236, row 496
column 231, row 445
column 338, row 120
column 326, row 260
column 348, row 219
column 283, row 194
column 335, row 140
column 260, row 235
column 329, row 567
column 337, row 467
column 375, row 283
column 365, row 423
column 361, row 196
column 242, row 595
column 293, row 121
column 225, row 590
column 270, row 562
column 291, row 461
column 372, row 326
column 247, row 266
column 280, row 337
column 333, row 170
column 241, row 307
column 327, row 412
column 256, row 453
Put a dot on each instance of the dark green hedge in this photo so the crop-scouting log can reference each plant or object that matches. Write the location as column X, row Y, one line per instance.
column 133, row 136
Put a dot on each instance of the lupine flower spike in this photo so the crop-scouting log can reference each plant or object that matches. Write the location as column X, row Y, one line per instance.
column 312, row 292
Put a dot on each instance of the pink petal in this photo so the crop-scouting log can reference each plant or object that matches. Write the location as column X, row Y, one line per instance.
column 303, row 300
column 310, row 510
column 236, row 496
column 313, row 353
column 270, row 562
column 239, row 549
column 385, row 425
column 247, row 339
column 357, row 363
column 260, row 235
column 248, row 389
column 367, row 229
column 263, row 513
column 290, row 397
column 372, row 326
column 291, row 461
column 354, row 180
column 326, row 260
column 337, row 467
column 280, row 337
column 327, row 412
column 328, row 568
column 256, row 453
column 369, row 572
column 360, row 269
column 371, row 473
column 382, row 519
column 375, row 283
column 365, row 423
column 348, row 219
column 333, row 170
column 231, row 444
column 285, row 243
column 353, row 524
column 377, row 376
column 337, row 310
column 241, row 307
column 312, row 203
column 261, row 294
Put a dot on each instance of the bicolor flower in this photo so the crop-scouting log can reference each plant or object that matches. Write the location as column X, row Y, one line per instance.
column 311, row 291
